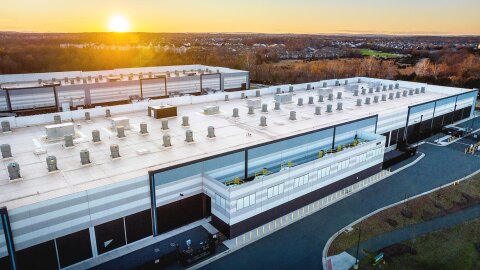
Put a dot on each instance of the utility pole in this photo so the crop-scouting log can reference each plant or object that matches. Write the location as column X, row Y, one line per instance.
column 358, row 246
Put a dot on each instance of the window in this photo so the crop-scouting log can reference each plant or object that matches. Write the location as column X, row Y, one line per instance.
column 220, row 201
column 275, row 190
column 300, row 181
column 343, row 164
column 362, row 157
column 324, row 172
column 246, row 201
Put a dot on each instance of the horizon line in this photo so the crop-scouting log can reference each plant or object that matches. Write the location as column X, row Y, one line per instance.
column 345, row 33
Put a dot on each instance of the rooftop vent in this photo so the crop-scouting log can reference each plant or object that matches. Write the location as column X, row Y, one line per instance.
column 339, row 106
column 422, row 90
column 14, row 171
column 293, row 115
column 390, row 87
column 355, row 93
column 211, row 132
column 417, row 91
column 397, row 86
column 367, row 101
column 290, row 89
column 166, row 140
column 263, row 121
column 384, row 88
column 68, row 141
column 51, row 163
column 143, row 128
column 318, row 110
column 84, row 157
column 405, row 93
column 377, row 89
column 359, row 102
column 364, row 91
column 6, row 126
column 120, row 132
column 375, row 99
column 310, row 100
column 96, row 136
column 300, row 102
column 309, row 86
column 87, row 116
column 185, row 120
column 391, row 95
column 370, row 90
column 242, row 96
column 189, row 136
column 57, row 119
column 164, row 124
column 114, row 151
column 384, row 97
column 6, row 150
column 320, row 98
column 339, row 95
column 398, row 94
column 279, row 91
column 346, row 82
column 235, row 112
column 264, row 108
column 359, row 80
column 324, row 84
column 329, row 108
column 226, row 98
column 330, row 96
column 277, row 106
column 410, row 92
column 251, row 110
column 337, row 83
column 257, row 93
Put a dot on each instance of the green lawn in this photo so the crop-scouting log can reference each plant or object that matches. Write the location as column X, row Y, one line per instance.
column 452, row 248
column 368, row 52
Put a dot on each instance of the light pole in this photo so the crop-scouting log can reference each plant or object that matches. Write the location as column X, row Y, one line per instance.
column 358, row 246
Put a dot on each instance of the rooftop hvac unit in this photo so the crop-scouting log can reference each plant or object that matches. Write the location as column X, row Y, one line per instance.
column 58, row 131
column 163, row 111
column 284, row 98
column 120, row 122
column 324, row 91
column 351, row 87
column 256, row 103
column 209, row 110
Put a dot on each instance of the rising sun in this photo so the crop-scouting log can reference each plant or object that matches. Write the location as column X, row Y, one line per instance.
column 118, row 23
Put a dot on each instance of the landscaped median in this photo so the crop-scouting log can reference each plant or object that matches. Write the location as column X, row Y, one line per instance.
column 455, row 248
column 445, row 201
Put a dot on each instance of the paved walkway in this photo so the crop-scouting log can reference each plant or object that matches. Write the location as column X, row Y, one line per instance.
column 300, row 245
column 410, row 232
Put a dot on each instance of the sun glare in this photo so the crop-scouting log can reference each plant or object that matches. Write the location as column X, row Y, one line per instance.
column 118, row 24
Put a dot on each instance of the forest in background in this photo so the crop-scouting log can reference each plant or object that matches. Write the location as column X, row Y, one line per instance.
column 443, row 65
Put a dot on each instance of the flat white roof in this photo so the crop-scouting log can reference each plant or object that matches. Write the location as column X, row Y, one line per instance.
column 231, row 133
column 31, row 79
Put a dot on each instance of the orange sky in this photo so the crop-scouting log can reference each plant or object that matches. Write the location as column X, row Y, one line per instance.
column 266, row 16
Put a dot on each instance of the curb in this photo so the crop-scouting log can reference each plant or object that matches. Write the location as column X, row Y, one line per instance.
column 332, row 238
